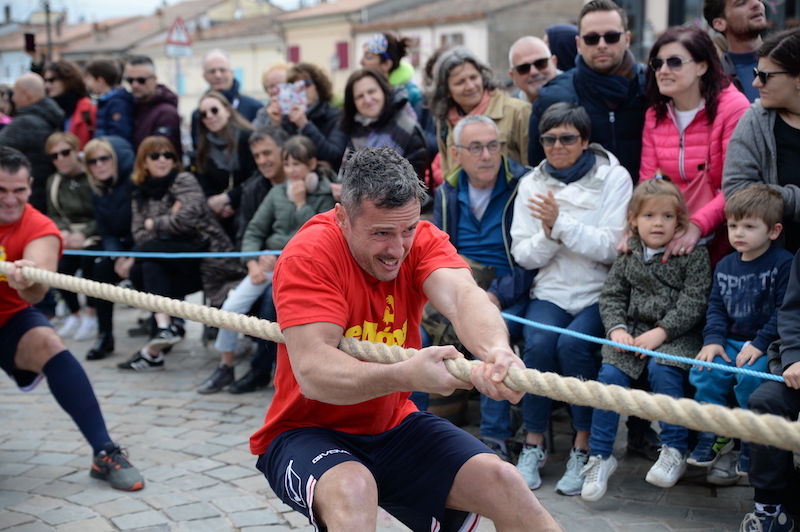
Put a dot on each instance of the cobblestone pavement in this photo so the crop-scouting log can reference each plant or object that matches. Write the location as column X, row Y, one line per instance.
column 192, row 450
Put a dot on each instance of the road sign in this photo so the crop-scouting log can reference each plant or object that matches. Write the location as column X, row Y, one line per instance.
column 178, row 34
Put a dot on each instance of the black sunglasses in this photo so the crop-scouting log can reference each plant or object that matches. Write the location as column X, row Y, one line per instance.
column 101, row 159
column 540, row 64
column 763, row 76
column 593, row 39
column 213, row 111
column 168, row 155
column 63, row 153
column 140, row 81
column 674, row 63
column 566, row 139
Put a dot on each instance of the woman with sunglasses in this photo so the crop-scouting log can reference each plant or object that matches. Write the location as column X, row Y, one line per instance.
column 464, row 86
column 170, row 214
column 224, row 159
column 764, row 147
column 109, row 161
column 569, row 214
column 69, row 205
column 693, row 111
column 65, row 84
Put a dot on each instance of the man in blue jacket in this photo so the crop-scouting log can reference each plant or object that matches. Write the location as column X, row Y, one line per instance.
column 606, row 81
column 474, row 205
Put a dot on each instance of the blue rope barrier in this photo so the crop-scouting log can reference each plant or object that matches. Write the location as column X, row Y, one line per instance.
column 157, row 255
column 656, row 354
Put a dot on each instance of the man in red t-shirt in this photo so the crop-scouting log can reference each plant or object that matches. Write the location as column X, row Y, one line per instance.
column 341, row 436
column 29, row 347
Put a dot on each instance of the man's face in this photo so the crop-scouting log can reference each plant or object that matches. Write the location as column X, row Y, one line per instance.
column 267, row 156
column 141, row 80
column 380, row 239
column 15, row 189
column 743, row 18
column 524, row 54
column 603, row 57
column 217, row 72
column 481, row 169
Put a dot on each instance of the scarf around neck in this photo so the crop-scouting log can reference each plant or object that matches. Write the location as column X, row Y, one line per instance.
column 156, row 187
column 455, row 113
column 582, row 166
column 224, row 160
column 614, row 87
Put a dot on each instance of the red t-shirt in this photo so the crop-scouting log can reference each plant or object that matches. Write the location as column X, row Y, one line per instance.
column 317, row 280
column 13, row 239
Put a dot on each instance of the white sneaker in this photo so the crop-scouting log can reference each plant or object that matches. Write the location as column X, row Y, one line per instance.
column 572, row 481
column 596, row 473
column 670, row 466
column 531, row 460
column 69, row 326
column 87, row 329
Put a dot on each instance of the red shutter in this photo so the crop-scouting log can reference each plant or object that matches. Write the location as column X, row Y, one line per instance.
column 293, row 54
column 342, row 49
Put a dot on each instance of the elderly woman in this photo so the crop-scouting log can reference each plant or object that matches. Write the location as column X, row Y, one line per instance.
column 170, row 214
column 568, row 216
column 224, row 159
column 763, row 148
column 64, row 83
column 69, row 205
column 109, row 162
column 463, row 86
column 270, row 80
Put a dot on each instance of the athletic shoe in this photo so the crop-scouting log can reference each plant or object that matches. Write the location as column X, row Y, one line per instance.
column 69, row 326
column 596, row 473
column 500, row 449
column 723, row 472
column 644, row 442
column 165, row 337
column 743, row 463
column 221, row 377
column 761, row 522
column 87, row 330
column 112, row 464
column 708, row 450
column 143, row 361
column 669, row 467
column 572, row 481
column 531, row 460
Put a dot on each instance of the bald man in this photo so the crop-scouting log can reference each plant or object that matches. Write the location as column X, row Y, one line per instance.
column 531, row 67
column 218, row 73
column 36, row 118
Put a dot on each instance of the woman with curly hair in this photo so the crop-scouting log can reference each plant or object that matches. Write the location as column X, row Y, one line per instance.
column 65, row 84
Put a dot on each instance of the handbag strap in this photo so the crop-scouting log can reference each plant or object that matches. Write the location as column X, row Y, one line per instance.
column 54, row 198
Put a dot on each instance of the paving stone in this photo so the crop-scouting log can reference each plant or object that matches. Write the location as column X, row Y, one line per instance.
column 50, row 472
column 167, row 500
column 120, row 507
column 204, row 449
column 92, row 497
column 228, row 473
column 97, row 524
column 59, row 489
column 187, row 512
column 149, row 518
column 161, row 473
column 255, row 517
column 37, row 505
column 190, row 482
column 215, row 524
column 66, row 514
column 198, row 465
column 295, row 519
column 239, row 504
column 10, row 519
column 11, row 498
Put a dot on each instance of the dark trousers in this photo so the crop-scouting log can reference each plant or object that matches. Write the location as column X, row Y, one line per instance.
column 103, row 272
column 266, row 351
column 70, row 264
column 169, row 278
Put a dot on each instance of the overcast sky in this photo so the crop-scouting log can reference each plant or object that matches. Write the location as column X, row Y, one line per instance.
column 94, row 10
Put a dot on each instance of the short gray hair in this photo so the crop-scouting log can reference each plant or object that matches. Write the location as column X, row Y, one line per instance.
column 382, row 176
column 473, row 119
column 527, row 38
column 567, row 114
column 217, row 51
column 440, row 100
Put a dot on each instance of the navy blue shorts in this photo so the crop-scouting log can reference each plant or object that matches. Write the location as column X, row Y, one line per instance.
column 414, row 466
column 10, row 335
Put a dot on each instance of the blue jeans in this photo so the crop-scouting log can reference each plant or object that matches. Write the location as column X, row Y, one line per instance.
column 714, row 385
column 667, row 380
column 240, row 300
column 563, row 354
column 496, row 415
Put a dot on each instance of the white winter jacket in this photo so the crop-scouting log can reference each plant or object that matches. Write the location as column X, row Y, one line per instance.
column 574, row 262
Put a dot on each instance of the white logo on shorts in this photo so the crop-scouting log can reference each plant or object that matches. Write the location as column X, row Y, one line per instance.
column 292, row 485
column 320, row 456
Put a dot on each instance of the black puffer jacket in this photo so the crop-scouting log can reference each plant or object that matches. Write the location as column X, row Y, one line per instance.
column 322, row 128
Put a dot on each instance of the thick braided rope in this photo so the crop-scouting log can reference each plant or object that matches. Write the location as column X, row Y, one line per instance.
column 732, row 422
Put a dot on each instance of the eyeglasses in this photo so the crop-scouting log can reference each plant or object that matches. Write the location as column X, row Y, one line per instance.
column 763, row 76
column 141, row 80
column 156, row 155
column 63, row 153
column 674, row 63
column 476, row 148
column 50, row 80
column 566, row 139
column 95, row 160
column 205, row 114
column 593, row 39
column 215, row 70
column 540, row 64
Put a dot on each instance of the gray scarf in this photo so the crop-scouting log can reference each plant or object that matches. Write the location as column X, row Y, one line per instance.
column 228, row 162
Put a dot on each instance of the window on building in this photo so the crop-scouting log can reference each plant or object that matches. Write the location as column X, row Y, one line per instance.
column 293, row 54
column 343, row 55
column 452, row 39
column 413, row 51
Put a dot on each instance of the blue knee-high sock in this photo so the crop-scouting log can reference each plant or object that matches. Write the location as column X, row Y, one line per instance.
column 73, row 391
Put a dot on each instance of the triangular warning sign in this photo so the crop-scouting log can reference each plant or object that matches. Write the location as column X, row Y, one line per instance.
column 178, row 34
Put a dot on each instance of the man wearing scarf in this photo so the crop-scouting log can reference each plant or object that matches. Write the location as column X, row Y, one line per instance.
column 606, row 81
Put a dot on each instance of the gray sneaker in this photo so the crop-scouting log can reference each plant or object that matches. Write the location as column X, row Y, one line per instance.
column 112, row 464
column 531, row 460
column 723, row 472
column 572, row 481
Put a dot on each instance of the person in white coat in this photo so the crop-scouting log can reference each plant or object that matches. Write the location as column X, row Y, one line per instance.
column 568, row 216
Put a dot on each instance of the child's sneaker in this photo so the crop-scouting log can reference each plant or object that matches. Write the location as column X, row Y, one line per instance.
column 531, row 460
column 87, row 329
column 596, row 473
column 743, row 463
column 112, row 464
column 708, row 450
column 572, row 481
column 763, row 522
column 723, row 473
column 142, row 360
column 69, row 327
column 668, row 469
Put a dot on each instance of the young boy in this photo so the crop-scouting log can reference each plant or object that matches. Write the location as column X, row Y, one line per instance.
column 741, row 320
column 115, row 108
